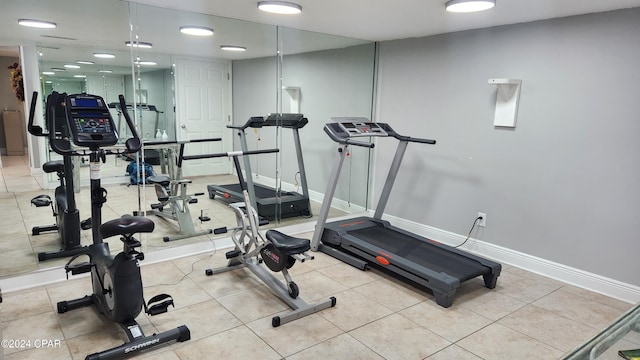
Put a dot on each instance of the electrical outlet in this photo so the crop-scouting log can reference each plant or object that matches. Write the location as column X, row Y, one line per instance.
column 482, row 222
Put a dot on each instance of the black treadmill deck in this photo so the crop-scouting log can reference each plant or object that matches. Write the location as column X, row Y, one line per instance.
column 292, row 203
column 436, row 266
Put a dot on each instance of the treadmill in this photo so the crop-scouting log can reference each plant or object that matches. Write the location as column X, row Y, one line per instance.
column 371, row 241
column 265, row 199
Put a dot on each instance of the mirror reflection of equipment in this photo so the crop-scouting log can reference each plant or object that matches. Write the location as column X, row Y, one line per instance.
column 68, row 224
column 171, row 190
column 266, row 199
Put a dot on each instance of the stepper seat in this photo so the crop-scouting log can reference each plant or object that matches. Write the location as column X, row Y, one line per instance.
column 288, row 245
column 161, row 179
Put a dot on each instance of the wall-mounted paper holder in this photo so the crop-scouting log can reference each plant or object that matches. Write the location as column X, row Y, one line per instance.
column 507, row 100
column 294, row 98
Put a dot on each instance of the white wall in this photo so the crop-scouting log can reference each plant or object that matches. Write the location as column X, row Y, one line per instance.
column 564, row 184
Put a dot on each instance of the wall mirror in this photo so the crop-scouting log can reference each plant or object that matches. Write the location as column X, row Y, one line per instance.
column 191, row 88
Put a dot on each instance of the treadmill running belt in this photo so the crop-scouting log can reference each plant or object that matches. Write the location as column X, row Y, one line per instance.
column 421, row 252
column 261, row 191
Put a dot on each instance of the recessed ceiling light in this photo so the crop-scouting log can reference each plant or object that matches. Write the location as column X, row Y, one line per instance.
column 37, row 23
column 233, row 48
column 469, row 5
column 280, row 7
column 139, row 44
column 80, row 76
column 72, row 66
column 196, row 30
column 147, row 63
column 48, row 73
column 58, row 69
column 85, row 62
column 48, row 82
column 104, row 55
column 105, row 71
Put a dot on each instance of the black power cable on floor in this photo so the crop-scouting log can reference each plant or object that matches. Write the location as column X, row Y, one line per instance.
column 475, row 222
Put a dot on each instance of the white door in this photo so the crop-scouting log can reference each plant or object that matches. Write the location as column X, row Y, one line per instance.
column 203, row 110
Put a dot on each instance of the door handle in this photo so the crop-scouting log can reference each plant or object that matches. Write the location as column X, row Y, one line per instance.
column 183, row 126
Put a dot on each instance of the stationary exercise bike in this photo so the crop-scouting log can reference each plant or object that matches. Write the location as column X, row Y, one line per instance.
column 117, row 284
column 63, row 206
column 171, row 191
column 276, row 250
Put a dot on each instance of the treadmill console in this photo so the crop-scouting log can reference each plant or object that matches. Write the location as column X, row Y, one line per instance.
column 357, row 127
column 90, row 121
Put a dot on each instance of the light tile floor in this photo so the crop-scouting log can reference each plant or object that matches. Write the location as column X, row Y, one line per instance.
column 376, row 317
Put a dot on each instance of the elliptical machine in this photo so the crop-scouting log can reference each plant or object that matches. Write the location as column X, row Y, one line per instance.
column 63, row 206
column 117, row 283
column 276, row 250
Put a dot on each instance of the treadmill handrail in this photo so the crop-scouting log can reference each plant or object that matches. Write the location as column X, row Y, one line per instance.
column 338, row 135
column 346, row 140
column 230, row 153
column 181, row 156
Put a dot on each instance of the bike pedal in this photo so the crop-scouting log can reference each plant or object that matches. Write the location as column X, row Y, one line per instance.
column 163, row 302
column 193, row 201
column 204, row 218
column 85, row 224
column 41, row 200
column 79, row 268
column 233, row 253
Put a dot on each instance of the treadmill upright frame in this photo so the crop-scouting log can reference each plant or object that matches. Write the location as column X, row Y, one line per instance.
column 337, row 238
column 286, row 204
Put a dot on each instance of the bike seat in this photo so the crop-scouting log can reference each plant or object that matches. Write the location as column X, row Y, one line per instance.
column 53, row 166
column 288, row 245
column 163, row 180
column 126, row 225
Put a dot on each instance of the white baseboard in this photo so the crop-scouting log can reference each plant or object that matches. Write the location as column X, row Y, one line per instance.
column 580, row 278
column 570, row 275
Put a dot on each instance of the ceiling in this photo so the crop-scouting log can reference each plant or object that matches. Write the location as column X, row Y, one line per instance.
column 378, row 20
column 85, row 26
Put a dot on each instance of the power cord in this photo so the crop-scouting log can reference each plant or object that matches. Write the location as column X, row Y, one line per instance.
column 475, row 222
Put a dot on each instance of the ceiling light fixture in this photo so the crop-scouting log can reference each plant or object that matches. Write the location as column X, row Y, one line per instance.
column 58, row 69
column 72, row 66
column 139, row 44
column 146, row 63
column 469, row 5
column 48, row 73
column 37, row 23
column 232, row 48
column 104, row 55
column 280, row 7
column 85, row 62
column 196, row 30
column 105, row 71
column 80, row 76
